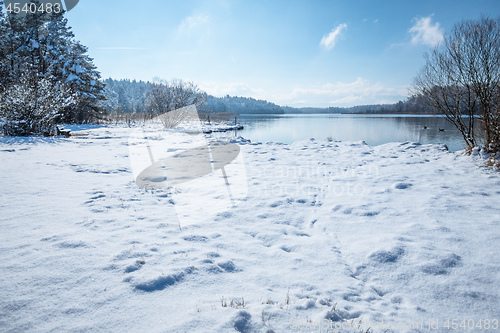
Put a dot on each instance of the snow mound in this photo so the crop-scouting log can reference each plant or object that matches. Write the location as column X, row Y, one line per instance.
column 385, row 257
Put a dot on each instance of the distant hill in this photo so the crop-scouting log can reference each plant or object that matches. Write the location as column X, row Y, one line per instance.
column 240, row 105
column 412, row 105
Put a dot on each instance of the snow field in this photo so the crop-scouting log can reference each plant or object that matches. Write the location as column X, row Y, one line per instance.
column 335, row 231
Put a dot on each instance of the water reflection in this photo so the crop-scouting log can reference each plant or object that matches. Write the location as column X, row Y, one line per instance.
column 373, row 129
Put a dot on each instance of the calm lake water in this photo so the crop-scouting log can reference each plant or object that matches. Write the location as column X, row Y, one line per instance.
column 373, row 129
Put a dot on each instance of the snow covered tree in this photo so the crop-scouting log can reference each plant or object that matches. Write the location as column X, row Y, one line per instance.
column 110, row 104
column 131, row 94
column 168, row 96
column 83, row 79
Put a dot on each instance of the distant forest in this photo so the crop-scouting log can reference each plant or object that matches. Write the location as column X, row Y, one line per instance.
column 129, row 96
column 412, row 105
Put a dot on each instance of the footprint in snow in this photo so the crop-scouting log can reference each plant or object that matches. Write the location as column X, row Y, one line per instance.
column 396, row 300
column 219, row 267
column 336, row 208
column 127, row 254
column 402, row 186
column 242, row 321
column 194, row 238
column 213, row 255
column 164, row 281
column 71, row 245
column 95, row 196
column 228, row 266
column 54, row 238
column 347, row 211
column 443, row 266
column 387, row 257
column 135, row 267
column 223, row 215
column 214, row 269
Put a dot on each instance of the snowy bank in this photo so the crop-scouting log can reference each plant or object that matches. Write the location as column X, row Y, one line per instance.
column 328, row 234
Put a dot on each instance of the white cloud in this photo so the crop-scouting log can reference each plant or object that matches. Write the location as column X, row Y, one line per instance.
column 358, row 92
column 192, row 22
column 425, row 32
column 328, row 41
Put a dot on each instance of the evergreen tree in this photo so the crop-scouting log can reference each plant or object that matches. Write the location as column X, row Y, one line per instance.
column 83, row 79
column 110, row 104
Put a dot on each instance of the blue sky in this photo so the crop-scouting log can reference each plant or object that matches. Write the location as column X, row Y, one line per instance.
column 297, row 53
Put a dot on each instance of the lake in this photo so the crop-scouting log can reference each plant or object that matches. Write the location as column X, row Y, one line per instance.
column 373, row 129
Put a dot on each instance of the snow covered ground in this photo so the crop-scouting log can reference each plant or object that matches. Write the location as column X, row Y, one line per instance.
column 327, row 237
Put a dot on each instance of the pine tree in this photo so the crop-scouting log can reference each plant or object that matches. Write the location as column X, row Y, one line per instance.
column 83, row 79
column 110, row 104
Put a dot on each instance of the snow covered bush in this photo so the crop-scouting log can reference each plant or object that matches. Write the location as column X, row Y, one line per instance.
column 31, row 106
